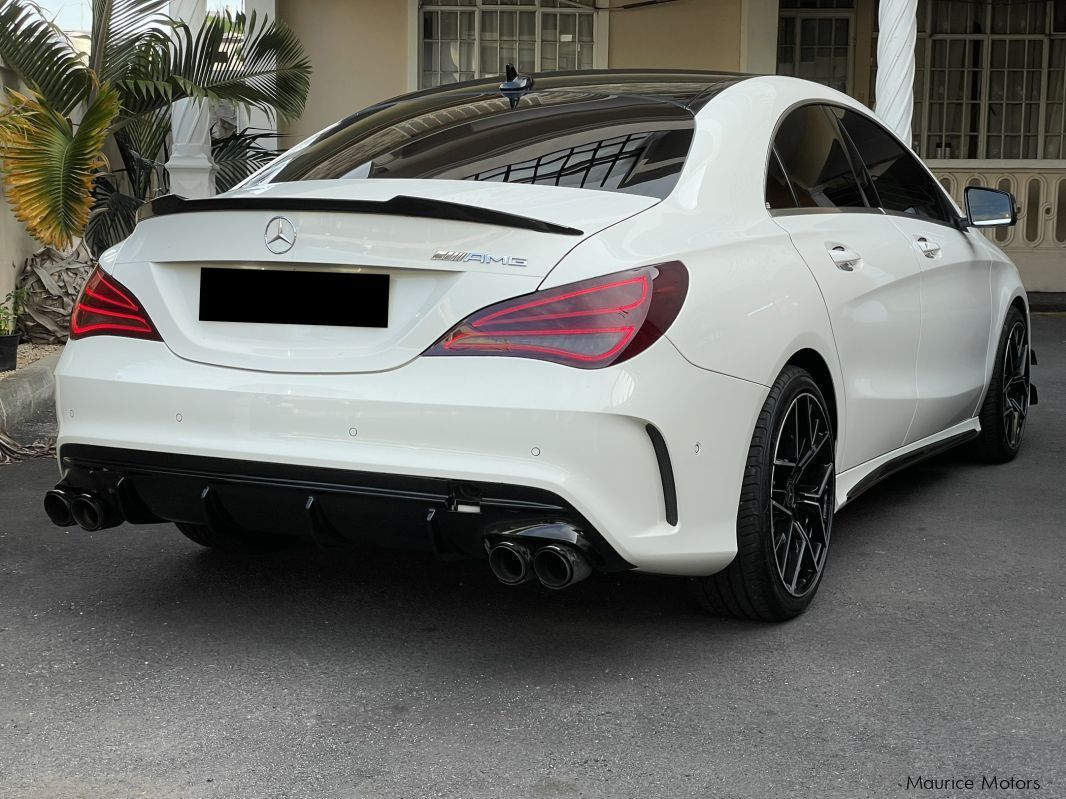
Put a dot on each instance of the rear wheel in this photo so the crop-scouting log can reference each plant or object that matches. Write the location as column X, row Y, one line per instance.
column 786, row 508
column 1006, row 404
column 237, row 540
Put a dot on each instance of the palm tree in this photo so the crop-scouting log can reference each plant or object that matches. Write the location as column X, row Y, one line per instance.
column 60, row 176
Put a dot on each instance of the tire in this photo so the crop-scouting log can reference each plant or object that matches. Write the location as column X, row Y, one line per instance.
column 775, row 578
column 1006, row 404
column 237, row 541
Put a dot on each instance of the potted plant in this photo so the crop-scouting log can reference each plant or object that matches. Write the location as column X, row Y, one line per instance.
column 9, row 336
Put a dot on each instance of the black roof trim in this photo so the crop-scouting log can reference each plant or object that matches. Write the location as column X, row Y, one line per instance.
column 711, row 83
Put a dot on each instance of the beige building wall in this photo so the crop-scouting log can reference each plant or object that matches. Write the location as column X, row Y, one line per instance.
column 364, row 51
column 15, row 244
column 359, row 50
column 15, row 247
column 690, row 34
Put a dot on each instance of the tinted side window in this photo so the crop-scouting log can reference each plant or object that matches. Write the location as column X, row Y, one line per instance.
column 901, row 183
column 778, row 192
column 816, row 160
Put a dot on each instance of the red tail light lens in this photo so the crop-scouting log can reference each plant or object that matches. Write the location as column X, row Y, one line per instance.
column 589, row 325
column 107, row 308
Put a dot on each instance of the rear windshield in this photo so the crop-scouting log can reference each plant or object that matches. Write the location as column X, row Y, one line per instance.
column 610, row 142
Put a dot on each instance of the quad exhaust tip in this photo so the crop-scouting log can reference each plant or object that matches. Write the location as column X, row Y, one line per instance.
column 511, row 562
column 87, row 510
column 559, row 566
column 554, row 565
column 57, row 506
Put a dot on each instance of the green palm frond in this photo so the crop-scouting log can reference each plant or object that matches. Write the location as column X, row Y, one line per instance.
column 113, row 217
column 117, row 195
column 147, row 82
column 42, row 56
column 140, row 62
column 246, row 60
column 239, row 155
column 49, row 164
column 123, row 31
column 141, row 147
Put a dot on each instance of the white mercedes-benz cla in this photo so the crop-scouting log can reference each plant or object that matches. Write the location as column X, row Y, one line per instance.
column 663, row 321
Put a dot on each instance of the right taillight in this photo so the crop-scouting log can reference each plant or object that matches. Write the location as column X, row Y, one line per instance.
column 589, row 325
column 107, row 308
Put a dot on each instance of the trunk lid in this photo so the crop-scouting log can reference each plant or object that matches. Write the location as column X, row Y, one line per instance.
column 476, row 264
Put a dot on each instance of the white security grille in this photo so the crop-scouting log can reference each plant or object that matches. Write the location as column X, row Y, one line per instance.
column 467, row 39
column 989, row 81
column 815, row 41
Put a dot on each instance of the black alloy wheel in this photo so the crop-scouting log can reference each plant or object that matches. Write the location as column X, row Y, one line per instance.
column 802, row 495
column 1015, row 384
column 787, row 502
column 1006, row 405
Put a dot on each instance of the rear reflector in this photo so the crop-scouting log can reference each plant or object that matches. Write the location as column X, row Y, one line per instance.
column 589, row 325
column 107, row 308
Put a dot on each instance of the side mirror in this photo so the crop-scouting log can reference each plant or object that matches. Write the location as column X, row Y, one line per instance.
column 990, row 207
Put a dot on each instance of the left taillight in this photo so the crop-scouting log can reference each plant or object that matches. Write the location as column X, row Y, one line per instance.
column 107, row 308
column 588, row 325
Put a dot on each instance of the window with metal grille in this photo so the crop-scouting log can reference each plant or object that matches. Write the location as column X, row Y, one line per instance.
column 990, row 79
column 467, row 39
column 815, row 41
column 823, row 4
column 633, row 162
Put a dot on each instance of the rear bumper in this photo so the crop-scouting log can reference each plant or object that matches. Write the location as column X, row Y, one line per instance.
column 384, row 449
column 331, row 506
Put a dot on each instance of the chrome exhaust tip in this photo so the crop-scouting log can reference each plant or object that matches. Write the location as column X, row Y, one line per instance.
column 510, row 562
column 57, row 507
column 559, row 566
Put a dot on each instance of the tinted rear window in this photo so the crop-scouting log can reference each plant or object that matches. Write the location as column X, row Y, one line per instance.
column 582, row 139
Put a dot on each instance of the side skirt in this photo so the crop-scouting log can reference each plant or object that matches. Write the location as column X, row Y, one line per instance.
column 855, row 481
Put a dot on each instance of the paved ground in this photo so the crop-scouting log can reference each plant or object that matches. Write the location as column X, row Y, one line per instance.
column 134, row 664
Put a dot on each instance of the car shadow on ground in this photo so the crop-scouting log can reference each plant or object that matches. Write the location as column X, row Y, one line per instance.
column 895, row 492
column 347, row 592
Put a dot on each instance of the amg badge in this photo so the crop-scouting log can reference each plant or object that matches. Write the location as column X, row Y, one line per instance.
column 480, row 257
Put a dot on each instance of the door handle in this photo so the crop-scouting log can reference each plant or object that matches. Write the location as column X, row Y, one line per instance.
column 930, row 249
column 845, row 259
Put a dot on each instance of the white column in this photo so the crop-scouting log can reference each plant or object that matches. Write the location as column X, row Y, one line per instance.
column 602, row 35
column 758, row 36
column 414, row 45
column 192, row 173
column 257, row 118
column 894, row 93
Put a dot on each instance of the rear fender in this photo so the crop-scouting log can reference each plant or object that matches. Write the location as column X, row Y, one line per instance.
column 752, row 302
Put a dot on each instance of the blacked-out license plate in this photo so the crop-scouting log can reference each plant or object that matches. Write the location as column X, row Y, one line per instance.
column 276, row 297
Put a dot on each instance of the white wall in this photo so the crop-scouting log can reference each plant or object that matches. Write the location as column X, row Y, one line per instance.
column 15, row 244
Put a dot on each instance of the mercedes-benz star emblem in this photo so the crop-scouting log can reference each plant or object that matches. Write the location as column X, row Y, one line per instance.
column 280, row 235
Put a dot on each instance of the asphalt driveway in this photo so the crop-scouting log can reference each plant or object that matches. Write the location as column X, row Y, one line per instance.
column 133, row 663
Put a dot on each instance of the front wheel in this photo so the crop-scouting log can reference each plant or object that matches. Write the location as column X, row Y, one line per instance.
column 1006, row 404
column 786, row 508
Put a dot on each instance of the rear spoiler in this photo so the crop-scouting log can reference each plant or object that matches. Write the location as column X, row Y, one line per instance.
column 400, row 205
